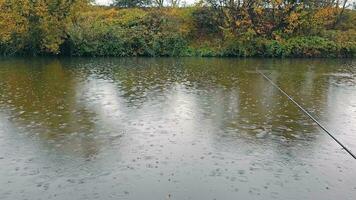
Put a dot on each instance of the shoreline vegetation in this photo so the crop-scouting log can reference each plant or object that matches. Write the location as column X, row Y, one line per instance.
column 209, row 28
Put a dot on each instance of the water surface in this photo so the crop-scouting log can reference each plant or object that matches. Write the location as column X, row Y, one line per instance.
column 187, row 128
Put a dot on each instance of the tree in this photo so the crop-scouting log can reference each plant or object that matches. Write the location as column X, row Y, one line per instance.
column 339, row 15
column 36, row 26
column 174, row 3
column 159, row 3
column 275, row 17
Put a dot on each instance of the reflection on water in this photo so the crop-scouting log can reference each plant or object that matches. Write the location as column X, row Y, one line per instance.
column 166, row 128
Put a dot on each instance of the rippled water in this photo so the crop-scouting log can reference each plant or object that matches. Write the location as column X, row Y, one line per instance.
column 188, row 128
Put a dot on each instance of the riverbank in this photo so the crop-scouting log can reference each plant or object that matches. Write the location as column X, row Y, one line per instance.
column 201, row 30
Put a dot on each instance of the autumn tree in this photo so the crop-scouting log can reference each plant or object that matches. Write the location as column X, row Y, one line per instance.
column 271, row 18
column 36, row 26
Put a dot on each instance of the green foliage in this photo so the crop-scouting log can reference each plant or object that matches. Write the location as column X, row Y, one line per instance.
column 205, row 22
column 312, row 46
column 238, row 48
column 80, row 29
column 35, row 27
column 169, row 45
column 96, row 41
column 150, row 35
column 131, row 3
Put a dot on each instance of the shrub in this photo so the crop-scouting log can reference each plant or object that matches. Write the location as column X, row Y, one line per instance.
column 193, row 31
column 239, row 48
column 152, row 35
column 312, row 47
column 169, row 45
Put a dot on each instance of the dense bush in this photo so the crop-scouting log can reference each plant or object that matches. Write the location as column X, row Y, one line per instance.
column 79, row 29
column 312, row 46
column 205, row 22
column 138, row 35
column 169, row 45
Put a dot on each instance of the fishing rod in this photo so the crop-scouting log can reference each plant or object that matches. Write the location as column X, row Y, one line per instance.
column 307, row 113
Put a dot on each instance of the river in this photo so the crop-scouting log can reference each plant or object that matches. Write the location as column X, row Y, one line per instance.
column 175, row 128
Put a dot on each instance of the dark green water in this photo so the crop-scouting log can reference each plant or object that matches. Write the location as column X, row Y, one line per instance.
column 188, row 128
